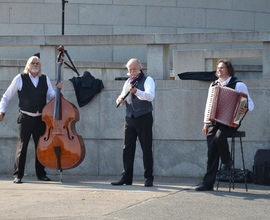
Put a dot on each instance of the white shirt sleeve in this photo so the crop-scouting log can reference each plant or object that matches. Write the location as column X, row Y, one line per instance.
column 124, row 89
column 15, row 86
column 241, row 87
column 149, row 90
column 51, row 91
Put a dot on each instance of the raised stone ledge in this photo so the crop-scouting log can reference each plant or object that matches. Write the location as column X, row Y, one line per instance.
column 137, row 39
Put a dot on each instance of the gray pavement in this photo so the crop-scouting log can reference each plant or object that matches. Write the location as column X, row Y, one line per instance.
column 93, row 197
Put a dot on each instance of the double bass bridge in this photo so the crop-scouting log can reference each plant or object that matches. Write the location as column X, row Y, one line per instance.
column 57, row 131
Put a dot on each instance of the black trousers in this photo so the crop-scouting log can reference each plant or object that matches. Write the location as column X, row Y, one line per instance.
column 140, row 127
column 218, row 147
column 28, row 126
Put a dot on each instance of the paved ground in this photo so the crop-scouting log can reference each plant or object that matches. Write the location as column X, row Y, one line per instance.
column 93, row 197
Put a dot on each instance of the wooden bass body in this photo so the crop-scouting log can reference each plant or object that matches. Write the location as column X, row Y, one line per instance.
column 60, row 147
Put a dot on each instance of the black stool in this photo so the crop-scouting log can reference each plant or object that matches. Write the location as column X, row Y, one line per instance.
column 237, row 134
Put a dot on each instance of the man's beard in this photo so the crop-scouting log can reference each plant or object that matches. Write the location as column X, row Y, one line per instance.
column 35, row 70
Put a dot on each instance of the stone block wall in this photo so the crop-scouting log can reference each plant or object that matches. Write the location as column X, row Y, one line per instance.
column 179, row 145
column 95, row 17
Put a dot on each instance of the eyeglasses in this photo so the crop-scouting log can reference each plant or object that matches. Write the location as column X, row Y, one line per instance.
column 34, row 63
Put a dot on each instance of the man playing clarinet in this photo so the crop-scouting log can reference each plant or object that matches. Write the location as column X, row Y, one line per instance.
column 218, row 133
column 138, row 121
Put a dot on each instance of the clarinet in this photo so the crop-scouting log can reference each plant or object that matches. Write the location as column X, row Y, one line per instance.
column 134, row 85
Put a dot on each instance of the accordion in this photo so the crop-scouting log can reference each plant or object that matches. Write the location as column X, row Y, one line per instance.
column 223, row 105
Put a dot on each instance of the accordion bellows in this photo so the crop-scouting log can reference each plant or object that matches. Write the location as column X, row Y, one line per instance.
column 223, row 105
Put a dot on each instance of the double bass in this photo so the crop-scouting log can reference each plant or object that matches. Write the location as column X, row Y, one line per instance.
column 60, row 147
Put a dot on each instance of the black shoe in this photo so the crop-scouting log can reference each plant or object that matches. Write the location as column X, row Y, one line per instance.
column 121, row 182
column 17, row 180
column 148, row 182
column 204, row 187
column 44, row 178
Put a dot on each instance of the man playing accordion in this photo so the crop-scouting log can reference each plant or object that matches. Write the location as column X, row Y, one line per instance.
column 216, row 132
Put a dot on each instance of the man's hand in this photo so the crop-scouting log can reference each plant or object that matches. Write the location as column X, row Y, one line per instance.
column 120, row 100
column 59, row 85
column 243, row 110
column 133, row 90
column 205, row 129
column 2, row 115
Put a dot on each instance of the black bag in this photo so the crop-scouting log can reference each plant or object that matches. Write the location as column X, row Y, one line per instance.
column 261, row 167
column 239, row 176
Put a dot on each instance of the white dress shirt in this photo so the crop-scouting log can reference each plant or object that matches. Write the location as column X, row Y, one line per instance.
column 148, row 94
column 16, row 85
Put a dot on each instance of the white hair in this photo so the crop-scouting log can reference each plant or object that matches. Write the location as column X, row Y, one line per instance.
column 29, row 61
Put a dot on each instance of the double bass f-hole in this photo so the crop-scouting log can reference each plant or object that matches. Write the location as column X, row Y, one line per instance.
column 48, row 134
column 68, row 133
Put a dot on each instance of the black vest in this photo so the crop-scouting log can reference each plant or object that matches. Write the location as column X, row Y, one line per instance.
column 31, row 98
column 138, row 107
column 231, row 84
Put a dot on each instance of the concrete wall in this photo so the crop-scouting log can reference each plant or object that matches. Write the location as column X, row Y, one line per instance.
column 179, row 146
column 99, row 17
column 206, row 60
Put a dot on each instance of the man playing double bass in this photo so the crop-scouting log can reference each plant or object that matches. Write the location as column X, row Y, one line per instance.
column 34, row 90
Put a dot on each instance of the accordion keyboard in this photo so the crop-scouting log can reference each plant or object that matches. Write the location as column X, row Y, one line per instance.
column 209, row 103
